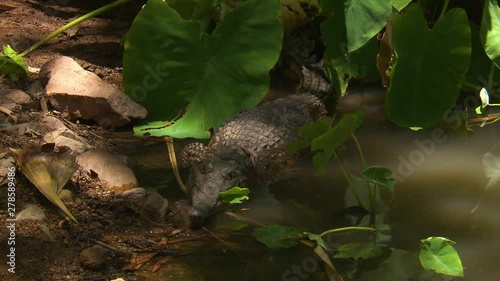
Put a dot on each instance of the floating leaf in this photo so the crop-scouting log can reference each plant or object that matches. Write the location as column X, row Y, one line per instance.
column 235, row 195
column 278, row 236
column 358, row 251
column 169, row 61
column 429, row 66
column 438, row 254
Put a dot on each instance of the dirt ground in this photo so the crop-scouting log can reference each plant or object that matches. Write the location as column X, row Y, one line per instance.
column 51, row 249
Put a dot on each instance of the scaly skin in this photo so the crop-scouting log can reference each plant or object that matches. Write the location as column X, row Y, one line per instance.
column 248, row 148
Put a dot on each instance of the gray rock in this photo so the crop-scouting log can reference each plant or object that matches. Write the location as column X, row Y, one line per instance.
column 83, row 95
column 115, row 175
column 31, row 212
column 66, row 137
column 94, row 257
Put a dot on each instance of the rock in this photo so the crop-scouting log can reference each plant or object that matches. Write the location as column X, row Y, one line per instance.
column 14, row 96
column 115, row 175
column 150, row 205
column 94, row 257
column 66, row 195
column 66, row 137
column 31, row 212
column 83, row 95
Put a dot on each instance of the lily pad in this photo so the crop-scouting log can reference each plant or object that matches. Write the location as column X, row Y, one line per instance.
column 278, row 236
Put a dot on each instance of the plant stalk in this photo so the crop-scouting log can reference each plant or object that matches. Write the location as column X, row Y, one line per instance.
column 348, row 228
column 349, row 181
column 443, row 10
column 73, row 23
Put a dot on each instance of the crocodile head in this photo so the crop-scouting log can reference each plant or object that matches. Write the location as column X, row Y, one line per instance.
column 213, row 175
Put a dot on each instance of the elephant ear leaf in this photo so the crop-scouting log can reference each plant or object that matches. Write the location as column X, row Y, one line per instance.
column 170, row 61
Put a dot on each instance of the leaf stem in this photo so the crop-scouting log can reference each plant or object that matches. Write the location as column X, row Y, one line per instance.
column 349, row 181
column 443, row 10
column 360, row 151
column 348, row 228
column 73, row 23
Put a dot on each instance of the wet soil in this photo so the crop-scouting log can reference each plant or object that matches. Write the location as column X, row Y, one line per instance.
column 51, row 249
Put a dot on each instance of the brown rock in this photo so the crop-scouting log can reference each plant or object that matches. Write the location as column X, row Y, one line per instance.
column 83, row 95
column 115, row 175
column 94, row 257
column 15, row 96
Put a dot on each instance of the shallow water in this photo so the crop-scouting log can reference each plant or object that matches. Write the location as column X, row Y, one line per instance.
column 440, row 178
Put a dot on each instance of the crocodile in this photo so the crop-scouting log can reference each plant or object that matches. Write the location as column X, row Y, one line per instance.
column 249, row 148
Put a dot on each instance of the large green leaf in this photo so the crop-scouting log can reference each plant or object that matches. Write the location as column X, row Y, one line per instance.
column 480, row 62
column 364, row 19
column 438, row 254
column 343, row 64
column 400, row 4
column 169, row 62
column 429, row 66
column 490, row 30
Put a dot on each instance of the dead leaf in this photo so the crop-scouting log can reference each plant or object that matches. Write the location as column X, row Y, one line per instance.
column 10, row 113
column 332, row 273
column 48, row 171
column 139, row 259
column 160, row 263
column 384, row 55
column 292, row 13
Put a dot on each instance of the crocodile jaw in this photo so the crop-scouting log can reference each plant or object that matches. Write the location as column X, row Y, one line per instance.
column 208, row 178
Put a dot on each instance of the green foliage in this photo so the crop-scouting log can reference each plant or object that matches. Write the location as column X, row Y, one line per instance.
column 278, row 236
column 379, row 175
column 235, row 195
column 12, row 64
column 342, row 64
column 324, row 139
column 169, row 61
column 438, row 254
column 490, row 30
column 363, row 20
column 479, row 71
column 429, row 66
column 400, row 4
